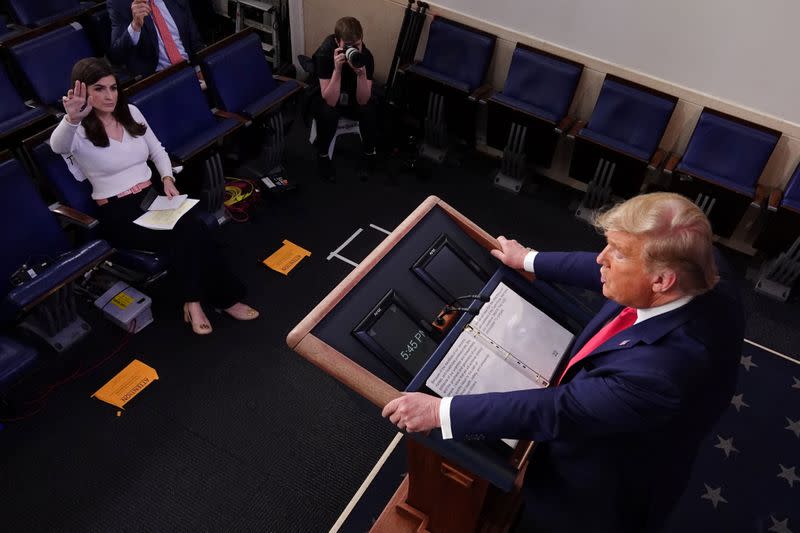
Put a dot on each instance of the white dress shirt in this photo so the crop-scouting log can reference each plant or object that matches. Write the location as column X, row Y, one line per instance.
column 163, row 59
column 641, row 316
column 117, row 167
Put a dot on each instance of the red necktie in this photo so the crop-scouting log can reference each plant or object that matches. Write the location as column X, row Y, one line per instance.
column 624, row 320
column 163, row 30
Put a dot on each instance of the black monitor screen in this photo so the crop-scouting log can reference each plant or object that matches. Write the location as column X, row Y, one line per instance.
column 453, row 274
column 396, row 334
column 449, row 271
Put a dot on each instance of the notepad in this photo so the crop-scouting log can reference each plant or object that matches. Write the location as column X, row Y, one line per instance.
column 165, row 219
column 509, row 345
column 164, row 203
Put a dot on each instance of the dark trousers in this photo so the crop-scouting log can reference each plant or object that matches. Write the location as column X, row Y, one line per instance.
column 196, row 264
column 328, row 117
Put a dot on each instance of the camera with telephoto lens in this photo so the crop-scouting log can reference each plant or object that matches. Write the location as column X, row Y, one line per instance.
column 353, row 55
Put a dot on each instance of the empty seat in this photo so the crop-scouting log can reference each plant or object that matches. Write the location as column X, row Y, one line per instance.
column 444, row 87
column 240, row 79
column 177, row 110
column 15, row 116
column 782, row 227
column 15, row 360
column 47, row 61
column 526, row 117
column 721, row 166
column 41, row 12
column 620, row 141
column 37, row 240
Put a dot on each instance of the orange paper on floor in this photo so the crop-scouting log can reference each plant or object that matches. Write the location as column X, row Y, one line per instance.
column 286, row 258
column 127, row 384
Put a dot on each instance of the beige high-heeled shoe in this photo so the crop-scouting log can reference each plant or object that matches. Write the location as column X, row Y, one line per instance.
column 202, row 328
column 244, row 313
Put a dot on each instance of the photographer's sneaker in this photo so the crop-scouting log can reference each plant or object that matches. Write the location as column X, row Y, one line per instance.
column 325, row 168
column 367, row 166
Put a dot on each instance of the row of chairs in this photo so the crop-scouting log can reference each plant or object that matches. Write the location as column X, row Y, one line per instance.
column 35, row 70
column 616, row 152
column 33, row 14
column 613, row 150
column 242, row 91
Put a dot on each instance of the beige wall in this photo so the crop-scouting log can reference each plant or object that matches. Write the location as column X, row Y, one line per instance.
column 382, row 19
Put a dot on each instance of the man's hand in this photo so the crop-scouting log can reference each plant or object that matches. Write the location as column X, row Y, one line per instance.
column 511, row 253
column 338, row 59
column 77, row 103
column 139, row 9
column 414, row 412
column 360, row 71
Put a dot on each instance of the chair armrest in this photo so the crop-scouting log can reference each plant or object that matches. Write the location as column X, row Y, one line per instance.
column 221, row 113
column 488, row 95
column 774, row 200
column 573, row 131
column 480, row 92
column 284, row 79
column 672, row 162
column 74, row 216
column 658, row 159
column 564, row 124
column 760, row 197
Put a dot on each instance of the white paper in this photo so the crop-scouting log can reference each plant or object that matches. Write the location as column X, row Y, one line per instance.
column 510, row 345
column 163, row 203
column 165, row 220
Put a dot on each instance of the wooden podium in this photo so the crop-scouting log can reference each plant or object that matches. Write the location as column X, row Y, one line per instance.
column 439, row 493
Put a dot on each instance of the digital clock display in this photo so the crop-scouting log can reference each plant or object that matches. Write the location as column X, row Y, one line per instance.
column 402, row 338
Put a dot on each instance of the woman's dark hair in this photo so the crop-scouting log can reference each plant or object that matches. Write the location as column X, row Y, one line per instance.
column 89, row 71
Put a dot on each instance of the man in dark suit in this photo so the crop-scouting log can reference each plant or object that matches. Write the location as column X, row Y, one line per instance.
column 150, row 35
column 645, row 380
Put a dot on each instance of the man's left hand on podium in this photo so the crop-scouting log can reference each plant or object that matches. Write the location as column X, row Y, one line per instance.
column 414, row 412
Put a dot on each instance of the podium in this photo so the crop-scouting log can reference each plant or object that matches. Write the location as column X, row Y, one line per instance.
column 450, row 486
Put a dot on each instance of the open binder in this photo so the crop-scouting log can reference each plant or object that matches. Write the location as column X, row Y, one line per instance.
column 510, row 344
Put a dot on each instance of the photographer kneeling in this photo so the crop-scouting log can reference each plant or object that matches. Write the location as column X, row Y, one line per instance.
column 345, row 66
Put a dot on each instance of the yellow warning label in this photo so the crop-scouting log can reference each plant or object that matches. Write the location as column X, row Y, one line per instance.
column 123, row 387
column 122, row 300
column 286, row 257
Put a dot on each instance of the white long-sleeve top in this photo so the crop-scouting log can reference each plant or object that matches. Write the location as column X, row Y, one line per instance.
column 117, row 167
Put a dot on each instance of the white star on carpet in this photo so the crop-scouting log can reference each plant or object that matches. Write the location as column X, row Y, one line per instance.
column 794, row 426
column 796, row 384
column 779, row 527
column 713, row 495
column 726, row 445
column 789, row 475
column 747, row 362
column 738, row 402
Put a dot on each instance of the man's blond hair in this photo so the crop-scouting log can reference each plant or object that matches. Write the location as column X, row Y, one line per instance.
column 677, row 235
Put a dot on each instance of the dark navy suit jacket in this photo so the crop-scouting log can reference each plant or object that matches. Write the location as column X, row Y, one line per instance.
column 142, row 59
column 617, row 438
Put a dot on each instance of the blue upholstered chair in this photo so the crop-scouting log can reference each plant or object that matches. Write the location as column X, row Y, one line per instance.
column 177, row 110
column 135, row 266
column 779, row 239
column 46, row 61
column 620, row 142
column 41, row 12
column 34, row 238
column 782, row 226
column 444, row 87
column 527, row 116
column 15, row 116
column 240, row 81
column 721, row 166
column 16, row 359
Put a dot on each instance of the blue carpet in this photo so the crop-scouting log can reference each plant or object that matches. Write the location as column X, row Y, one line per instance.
column 747, row 474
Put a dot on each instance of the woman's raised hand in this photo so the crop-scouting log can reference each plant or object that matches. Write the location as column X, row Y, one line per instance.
column 77, row 103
